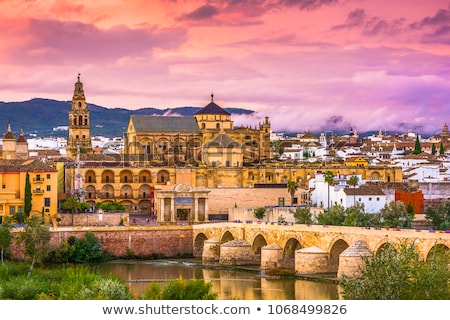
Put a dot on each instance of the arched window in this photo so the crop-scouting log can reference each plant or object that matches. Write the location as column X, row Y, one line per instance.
column 80, row 120
column 217, row 125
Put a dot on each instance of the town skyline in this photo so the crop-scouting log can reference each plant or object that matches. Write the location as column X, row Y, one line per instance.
column 309, row 65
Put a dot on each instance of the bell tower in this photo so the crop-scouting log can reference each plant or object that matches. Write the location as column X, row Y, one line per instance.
column 79, row 124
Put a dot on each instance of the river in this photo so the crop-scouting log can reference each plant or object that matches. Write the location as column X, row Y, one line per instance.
column 229, row 283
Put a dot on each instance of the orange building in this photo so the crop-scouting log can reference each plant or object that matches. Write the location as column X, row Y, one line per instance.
column 415, row 198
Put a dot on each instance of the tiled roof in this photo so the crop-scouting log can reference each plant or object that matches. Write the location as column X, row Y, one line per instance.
column 222, row 141
column 24, row 165
column 164, row 124
column 212, row 108
column 364, row 190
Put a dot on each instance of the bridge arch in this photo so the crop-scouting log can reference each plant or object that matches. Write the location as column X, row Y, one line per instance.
column 199, row 243
column 437, row 249
column 226, row 236
column 289, row 249
column 258, row 242
column 382, row 246
column 336, row 248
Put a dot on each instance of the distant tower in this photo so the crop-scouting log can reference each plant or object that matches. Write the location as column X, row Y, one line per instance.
column 79, row 123
column 9, row 145
column 21, row 146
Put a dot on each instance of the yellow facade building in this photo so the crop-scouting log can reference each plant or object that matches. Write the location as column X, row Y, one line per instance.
column 43, row 181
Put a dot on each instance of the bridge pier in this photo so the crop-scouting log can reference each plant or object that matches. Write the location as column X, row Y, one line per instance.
column 311, row 260
column 211, row 251
column 271, row 256
column 351, row 260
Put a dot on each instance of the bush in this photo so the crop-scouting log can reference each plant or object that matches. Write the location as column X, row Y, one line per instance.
column 83, row 250
column 259, row 213
column 400, row 275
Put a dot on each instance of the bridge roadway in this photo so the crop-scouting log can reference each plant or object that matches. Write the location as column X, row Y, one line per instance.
column 332, row 239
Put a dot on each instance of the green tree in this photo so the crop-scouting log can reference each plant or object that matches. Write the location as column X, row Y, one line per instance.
column 5, row 237
column 353, row 181
column 399, row 274
column 440, row 217
column 417, row 146
column 433, row 149
column 27, row 196
column 36, row 239
column 395, row 214
column 71, row 204
column 356, row 216
column 329, row 179
column 334, row 216
column 441, row 149
column 277, row 148
column 303, row 215
column 259, row 213
column 292, row 187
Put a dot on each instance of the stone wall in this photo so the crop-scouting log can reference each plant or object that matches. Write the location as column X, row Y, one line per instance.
column 221, row 199
column 170, row 241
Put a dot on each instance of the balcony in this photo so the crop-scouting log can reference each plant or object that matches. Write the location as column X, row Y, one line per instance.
column 38, row 179
column 38, row 192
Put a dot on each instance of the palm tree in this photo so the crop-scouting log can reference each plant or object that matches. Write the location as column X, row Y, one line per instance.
column 329, row 178
column 353, row 181
column 292, row 186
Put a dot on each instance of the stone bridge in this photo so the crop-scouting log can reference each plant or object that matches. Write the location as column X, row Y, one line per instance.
column 307, row 248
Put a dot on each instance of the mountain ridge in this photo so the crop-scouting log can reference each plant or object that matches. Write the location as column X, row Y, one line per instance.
column 40, row 115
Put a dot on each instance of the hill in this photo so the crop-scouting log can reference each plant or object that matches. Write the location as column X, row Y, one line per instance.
column 39, row 116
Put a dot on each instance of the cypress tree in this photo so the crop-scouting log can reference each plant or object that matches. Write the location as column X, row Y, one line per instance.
column 433, row 149
column 417, row 146
column 27, row 204
column 441, row 149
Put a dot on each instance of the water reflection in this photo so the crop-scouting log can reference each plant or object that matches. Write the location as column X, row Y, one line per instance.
column 229, row 283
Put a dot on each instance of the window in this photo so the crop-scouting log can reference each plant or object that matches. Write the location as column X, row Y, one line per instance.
column 48, row 175
column 125, row 195
column 107, row 195
column 378, row 199
column 370, row 198
column 12, row 209
column 144, row 179
column 89, row 179
column 125, row 179
column 295, row 200
column 143, row 194
column 47, row 202
column 107, row 178
column 38, row 177
column 48, row 188
column 19, row 209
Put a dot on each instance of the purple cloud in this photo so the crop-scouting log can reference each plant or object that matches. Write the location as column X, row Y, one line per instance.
column 203, row 12
column 68, row 42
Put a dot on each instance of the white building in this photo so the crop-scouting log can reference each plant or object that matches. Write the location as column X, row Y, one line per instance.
column 340, row 193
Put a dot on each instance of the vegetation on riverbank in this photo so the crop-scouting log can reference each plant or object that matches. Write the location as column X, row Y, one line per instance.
column 399, row 274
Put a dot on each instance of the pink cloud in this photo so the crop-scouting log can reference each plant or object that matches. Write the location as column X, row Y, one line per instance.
column 308, row 64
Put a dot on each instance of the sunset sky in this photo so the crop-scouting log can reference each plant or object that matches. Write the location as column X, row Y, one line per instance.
column 309, row 65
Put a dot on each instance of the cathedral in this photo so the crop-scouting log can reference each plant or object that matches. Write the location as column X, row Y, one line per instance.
column 188, row 168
